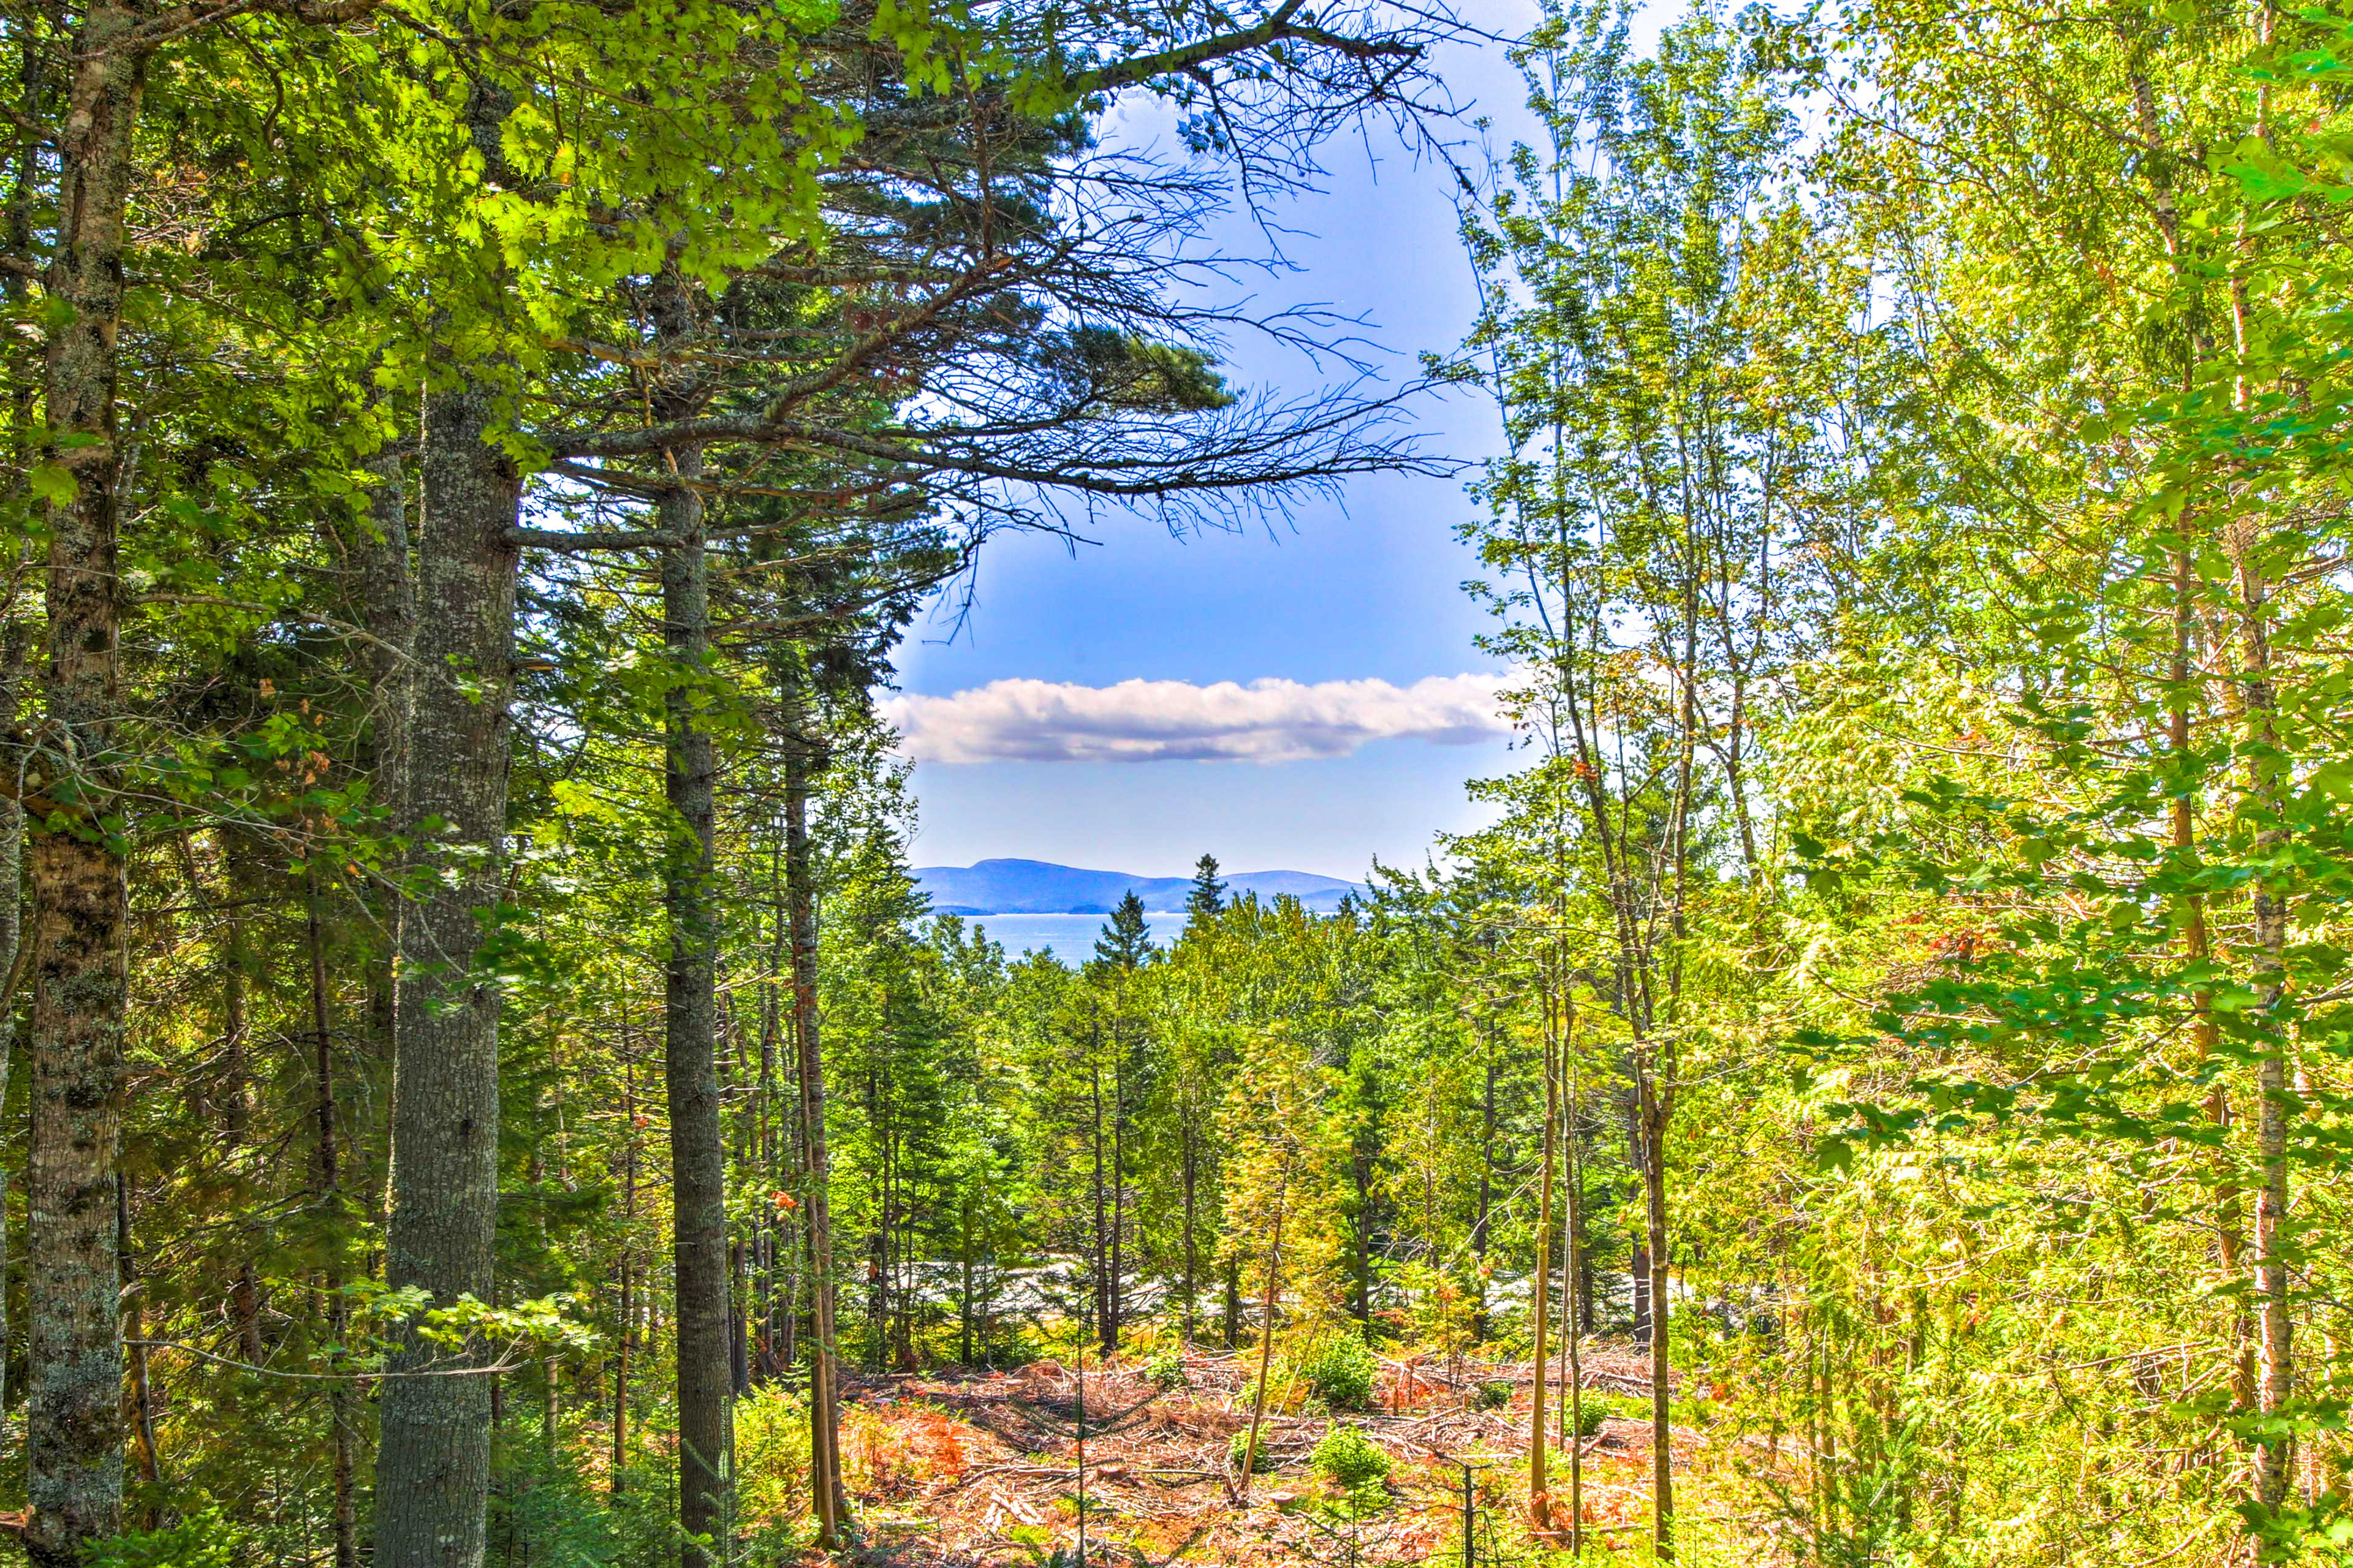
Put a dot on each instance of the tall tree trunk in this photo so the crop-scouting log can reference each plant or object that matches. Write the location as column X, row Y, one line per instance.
column 827, row 1494
column 624, row 1323
column 877, row 1241
column 1539, row 1503
column 1191, row 1163
column 73, row 1407
column 1362, row 1170
column 616, row 1469
column 1266, row 1331
column 1095, row 1148
column 13, row 950
column 706, row 1342
column 342, row 1416
column 1479, row 1226
column 2230, row 1241
column 236, row 1073
column 964, row 1283
column 1639, row 1278
column 142, row 1392
column 1118, row 1202
column 739, row 1326
column 1654, row 1204
column 1577, row 1320
column 776, row 1318
column 2274, row 1310
column 433, row 1468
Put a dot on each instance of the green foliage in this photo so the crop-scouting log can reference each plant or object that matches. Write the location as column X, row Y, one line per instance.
column 544, row 1510
column 1495, row 1395
column 203, row 1539
column 1165, row 1370
column 1261, row 1460
column 1352, row 1461
column 1125, row 943
column 1341, row 1372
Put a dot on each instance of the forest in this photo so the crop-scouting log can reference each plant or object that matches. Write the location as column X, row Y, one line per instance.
column 480, row 1084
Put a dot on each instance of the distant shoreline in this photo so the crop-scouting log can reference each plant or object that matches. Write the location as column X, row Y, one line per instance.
column 1008, row 886
column 969, row 913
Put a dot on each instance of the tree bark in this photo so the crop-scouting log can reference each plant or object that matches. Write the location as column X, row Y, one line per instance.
column 142, row 1392
column 433, row 1468
column 2230, row 1241
column 1191, row 1163
column 705, row 1337
column 12, row 946
column 964, row 1292
column 1266, row 1333
column 1654, row 1196
column 1094, row 1145
column 236, row 1075
column 624, row 1321
column 1577, row 1321
column 73, row 1407
column 341, row 1415
column 1539, row 1503
column 1479, row 1226
column 828, row 1496
column 2274, row 1310
column 1113, row 1295
column 774, row 1316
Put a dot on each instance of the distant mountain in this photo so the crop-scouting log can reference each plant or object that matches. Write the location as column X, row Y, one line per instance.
column 1041, row 888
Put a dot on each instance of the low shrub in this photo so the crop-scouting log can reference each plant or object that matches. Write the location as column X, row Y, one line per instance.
column 772, row 1441
column 1261, row 1462
column 1165, row 1371
column 1349, row 1459
column 202, row 1540
column 1492, row 1395
column 1341, row 1373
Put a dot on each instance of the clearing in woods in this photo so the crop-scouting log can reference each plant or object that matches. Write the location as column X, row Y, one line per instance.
column 982, row 1470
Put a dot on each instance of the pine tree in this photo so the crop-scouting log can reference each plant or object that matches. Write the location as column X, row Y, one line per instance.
column 1126, row 943
column 1209, row 894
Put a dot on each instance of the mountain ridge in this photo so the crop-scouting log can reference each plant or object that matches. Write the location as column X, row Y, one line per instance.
column 1017, row 887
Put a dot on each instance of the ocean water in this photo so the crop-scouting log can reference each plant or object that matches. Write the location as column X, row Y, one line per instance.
column 1070, row 938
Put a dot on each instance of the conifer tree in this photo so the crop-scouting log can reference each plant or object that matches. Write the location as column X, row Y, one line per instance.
column 1126, row 944
column 1207, row 895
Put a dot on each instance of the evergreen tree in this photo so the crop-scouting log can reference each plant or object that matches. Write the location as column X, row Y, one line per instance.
column 1208, row 895
column 1126, row 945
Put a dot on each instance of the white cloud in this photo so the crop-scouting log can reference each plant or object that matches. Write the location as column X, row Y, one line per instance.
column 1174, row 721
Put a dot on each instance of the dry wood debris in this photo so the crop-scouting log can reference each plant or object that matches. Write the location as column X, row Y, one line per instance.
column 960, row 1471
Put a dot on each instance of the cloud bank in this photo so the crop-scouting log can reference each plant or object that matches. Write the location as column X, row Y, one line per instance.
column 1175, row 721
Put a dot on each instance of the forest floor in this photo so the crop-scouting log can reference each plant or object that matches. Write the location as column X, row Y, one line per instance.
column 980, row 1472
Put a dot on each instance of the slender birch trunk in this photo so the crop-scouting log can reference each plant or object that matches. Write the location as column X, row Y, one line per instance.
column 1654, row 1206
column 2275, row 1310
column 1539, row 1501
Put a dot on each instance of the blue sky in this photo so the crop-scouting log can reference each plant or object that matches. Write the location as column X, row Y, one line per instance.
column 1365, row 591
